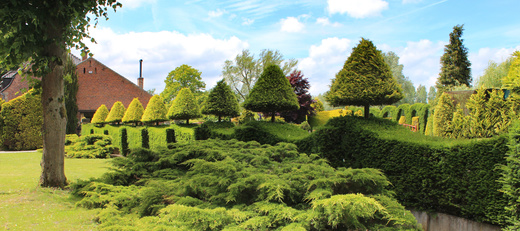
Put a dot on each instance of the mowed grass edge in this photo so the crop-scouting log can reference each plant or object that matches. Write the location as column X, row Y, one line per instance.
column 24, row 206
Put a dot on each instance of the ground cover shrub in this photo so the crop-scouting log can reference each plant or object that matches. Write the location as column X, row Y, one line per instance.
column 21, row 122
column 215, row 130
column 435, row 174
column 234, row 185
column 88, row 146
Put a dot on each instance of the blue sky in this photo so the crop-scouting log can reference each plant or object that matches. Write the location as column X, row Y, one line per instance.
column 319, row 34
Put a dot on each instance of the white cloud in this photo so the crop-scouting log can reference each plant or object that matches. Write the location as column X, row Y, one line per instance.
column 324, row 61
column 326, row 22
column 480, row 60
column 291, row 24
column 162, row 52
column 247, row 22
column 133, row 4
column 421, row 61
column 357, row 8
column 216, row 13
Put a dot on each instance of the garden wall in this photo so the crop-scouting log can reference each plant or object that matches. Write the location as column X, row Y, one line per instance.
column 445, row 222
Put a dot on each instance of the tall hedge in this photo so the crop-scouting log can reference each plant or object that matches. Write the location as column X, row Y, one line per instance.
column 21, row 121
column 456, row 177
column 388, row 112
column 100, row 115
column 443, row 116
column 403, row 110
column 184, row 107
column 510, row 179
column 116, row 113
column 155, row 111
column 134, row 112
column 424, row 117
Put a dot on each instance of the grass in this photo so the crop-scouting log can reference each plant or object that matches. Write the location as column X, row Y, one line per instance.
column 24, row 206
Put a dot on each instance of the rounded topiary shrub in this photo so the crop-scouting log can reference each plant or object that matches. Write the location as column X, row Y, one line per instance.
column 155, row 111
column 21, row 121
column 134, row 113
column 116, row 113
column 100, row 115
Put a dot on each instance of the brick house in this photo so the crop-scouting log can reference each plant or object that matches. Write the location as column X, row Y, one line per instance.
column 97, row 84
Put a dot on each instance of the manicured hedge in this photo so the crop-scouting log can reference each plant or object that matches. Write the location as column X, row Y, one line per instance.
column 156, row 134
column 456, row 177
column 388, row 112
column 21, row 122
column 402, row 110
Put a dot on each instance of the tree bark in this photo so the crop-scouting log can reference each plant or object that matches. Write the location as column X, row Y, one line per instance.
column 54, row 113
column 367, row 111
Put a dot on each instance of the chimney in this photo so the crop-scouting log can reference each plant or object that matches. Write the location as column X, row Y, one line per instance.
column 83, row 57
column 140, row 80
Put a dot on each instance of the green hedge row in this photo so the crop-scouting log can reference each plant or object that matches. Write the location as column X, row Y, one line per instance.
column 420, row 110
column 157, row 135
column 456, row 177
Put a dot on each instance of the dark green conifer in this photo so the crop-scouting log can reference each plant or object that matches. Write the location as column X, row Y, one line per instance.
column 184, row 107
column 70, row 91
column 272, row 93
column 155, row 111
column 100, row 115
column 364, row 80
column 116, row 113
column 221, row 102
column 455, row 66
column 134, row 112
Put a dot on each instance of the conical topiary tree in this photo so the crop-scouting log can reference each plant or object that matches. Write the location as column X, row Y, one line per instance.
column 100, row 115
column 155, row 111
column 364, row 80
column 221, row 102
column 443, row 116
column 116, row 113
column 184, row 107
column 272, row 93
column 134, row 112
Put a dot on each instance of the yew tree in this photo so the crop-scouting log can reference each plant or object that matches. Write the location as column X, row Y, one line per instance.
column 100, row 115
column 272, row 93
column 116, row 113
column 364, row 80
column 155, row 111
column 134, row 112
column 221, row 102
column 455, row 65
column 36, row 34
column 184, row 107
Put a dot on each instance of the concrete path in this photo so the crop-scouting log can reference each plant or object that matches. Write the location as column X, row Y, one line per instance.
column 18, row 151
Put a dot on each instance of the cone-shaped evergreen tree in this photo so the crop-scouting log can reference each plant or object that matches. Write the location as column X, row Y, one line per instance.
column 184, row 107
column 221, row 102
column 116, row 113
column 272, row 93
column 443, row 116
column 364, row 80
column 134, row 112
column 155, row 111
column 100, row 115
column 455, row 66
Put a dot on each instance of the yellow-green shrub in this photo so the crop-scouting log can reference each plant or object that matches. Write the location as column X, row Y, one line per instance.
column 134, row 112
column 116, row 113
column 100, row 115
column 322, row 117
column 402, row 120
column 21, row 121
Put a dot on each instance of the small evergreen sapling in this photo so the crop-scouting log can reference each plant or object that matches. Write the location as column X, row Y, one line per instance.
column 100, row 115
column 272, row 93
column 155, row 111
column 134, row 112
column 184, row 107
column 116, row 113
column 221, row 102
column 364, row 80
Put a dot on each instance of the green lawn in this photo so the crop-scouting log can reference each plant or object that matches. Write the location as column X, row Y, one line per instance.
column 24, row 206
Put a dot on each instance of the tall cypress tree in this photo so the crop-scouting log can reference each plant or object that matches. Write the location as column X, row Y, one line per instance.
column 272, row 93
column 455, row 66
column 364, row 80
column 221, row 102
column 71, row 90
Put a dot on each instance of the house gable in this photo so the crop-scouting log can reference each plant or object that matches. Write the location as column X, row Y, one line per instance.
column 99, row 84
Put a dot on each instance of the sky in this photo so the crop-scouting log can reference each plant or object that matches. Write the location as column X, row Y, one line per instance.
column 319, row 34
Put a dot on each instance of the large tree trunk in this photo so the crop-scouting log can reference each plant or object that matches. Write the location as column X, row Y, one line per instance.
column 367, row 111
column 54, row 115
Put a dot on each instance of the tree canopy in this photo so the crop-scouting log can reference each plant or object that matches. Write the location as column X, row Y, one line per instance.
column 300, row 87
column 409, row 92
column 422, row 95
column 36, row 35
column 455, row 66
column 181, row 77
column 221, row 102
column 184, row 107
column 134, row 112
column 116, row 113
column 364, row 80
column 155, row 111
column 512, row 80
column 242, row 73
column 494, row 74
column 272, row 93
